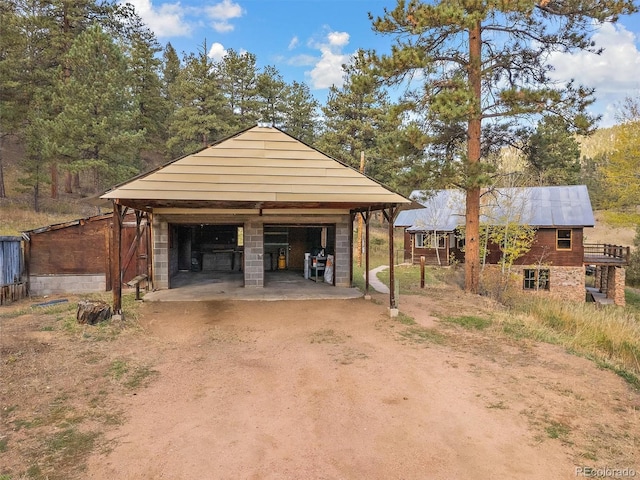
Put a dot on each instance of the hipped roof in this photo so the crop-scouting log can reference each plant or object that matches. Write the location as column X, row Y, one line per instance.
column 552, row 206
column 261, row 167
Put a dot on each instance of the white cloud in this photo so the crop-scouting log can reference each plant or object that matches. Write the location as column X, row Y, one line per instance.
column 217, row 52
column 221, row 13
column 166, row 20
column 293, row 43
column 338, row 39
column 614, row 74
column 328, row 69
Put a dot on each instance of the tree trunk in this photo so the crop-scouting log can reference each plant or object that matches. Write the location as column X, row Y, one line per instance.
column 68, row 180
column 36, row 196
column 92, row 312
column 76, row 181
column 3, row 193
column 54, row 180
column 472, row 244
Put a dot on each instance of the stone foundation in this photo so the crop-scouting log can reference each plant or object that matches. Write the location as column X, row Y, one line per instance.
column 565, row 283
column 615, row 285
column 611, row 280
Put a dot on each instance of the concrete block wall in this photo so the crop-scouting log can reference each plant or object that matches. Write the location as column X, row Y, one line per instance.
column 60, row 284
column 160, row 253
column 254, row 253
column 343, row 253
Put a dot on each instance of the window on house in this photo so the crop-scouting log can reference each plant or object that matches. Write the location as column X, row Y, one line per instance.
column 535, row 279
column 429, row 240
column 563, row 239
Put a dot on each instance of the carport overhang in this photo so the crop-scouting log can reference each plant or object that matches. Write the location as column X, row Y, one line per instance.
column 200, row 211
column 260, row 172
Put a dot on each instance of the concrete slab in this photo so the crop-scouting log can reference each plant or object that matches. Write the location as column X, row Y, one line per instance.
column 279, row 285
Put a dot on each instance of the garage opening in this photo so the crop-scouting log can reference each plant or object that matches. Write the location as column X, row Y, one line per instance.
column 288, row 247
column 214, row 253
column 201, row 253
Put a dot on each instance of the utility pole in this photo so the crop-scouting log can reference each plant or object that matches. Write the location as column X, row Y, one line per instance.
column 359, row 253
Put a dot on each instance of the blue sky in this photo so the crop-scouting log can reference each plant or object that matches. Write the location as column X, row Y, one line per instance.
column 309, row 40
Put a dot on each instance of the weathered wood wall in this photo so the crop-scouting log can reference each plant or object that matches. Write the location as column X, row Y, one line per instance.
column 10, row 260
column 85, row 248
column 13, row 284
column 76, row 249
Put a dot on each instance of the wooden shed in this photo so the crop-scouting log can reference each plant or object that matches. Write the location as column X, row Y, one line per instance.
column 13, row 285
column 75, row 256
column 247, row 199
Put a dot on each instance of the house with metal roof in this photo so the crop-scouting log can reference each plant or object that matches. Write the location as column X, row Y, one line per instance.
column 556, row 260
column 257, row 201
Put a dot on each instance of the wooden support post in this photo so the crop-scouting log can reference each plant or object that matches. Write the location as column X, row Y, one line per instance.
column 367, row 218
column 149, row 250
column 359, row 253
column 352, row 216
column 390, row 215
column 422, row 260
column 117, row 260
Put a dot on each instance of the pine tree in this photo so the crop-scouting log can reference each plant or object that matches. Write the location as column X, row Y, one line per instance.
column 96, row 128
column 301, row 110
column 487, row 60
column 151, row 107
column 238, row 75
column 353, row 114
column 201, row 114
column 48, row 29
column 271, row 90
column 553, row 153
column 359, row 117
column 170, row 69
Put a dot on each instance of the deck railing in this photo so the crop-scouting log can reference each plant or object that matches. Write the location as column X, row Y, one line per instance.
column 606, row 251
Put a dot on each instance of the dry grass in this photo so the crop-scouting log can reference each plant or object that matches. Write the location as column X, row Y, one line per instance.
column 608, row 230
column 610, row 336
column 18, row 217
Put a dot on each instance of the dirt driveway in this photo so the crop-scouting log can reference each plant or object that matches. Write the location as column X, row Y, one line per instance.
column 337, row 390
column 302, row 389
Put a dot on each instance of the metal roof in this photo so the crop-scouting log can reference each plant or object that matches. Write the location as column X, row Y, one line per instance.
column 557, row 206
column 261, row 167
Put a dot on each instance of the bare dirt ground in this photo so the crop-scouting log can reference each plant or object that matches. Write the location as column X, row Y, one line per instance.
column 304, row 389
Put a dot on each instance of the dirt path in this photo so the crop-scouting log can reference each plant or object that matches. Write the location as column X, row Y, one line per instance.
column 328, row 390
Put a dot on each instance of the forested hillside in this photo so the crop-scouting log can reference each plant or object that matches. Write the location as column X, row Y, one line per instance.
column 90, row 98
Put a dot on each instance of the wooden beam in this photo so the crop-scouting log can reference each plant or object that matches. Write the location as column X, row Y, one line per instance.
column 366, row 216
